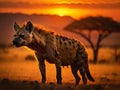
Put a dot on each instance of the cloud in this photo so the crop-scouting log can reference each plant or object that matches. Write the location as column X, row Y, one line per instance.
column 69, row 5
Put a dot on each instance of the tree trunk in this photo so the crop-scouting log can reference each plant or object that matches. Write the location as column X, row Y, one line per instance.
column 96, row 49
column 95, row 55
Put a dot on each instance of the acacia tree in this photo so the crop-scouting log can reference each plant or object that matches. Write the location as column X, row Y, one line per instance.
column 104, row 26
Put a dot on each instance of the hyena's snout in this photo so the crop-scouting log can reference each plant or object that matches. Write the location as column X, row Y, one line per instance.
column 17, row 42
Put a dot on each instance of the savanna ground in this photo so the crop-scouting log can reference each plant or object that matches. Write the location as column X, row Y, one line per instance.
column 19, row 71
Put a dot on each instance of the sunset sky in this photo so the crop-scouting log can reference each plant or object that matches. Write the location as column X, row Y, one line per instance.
column 74, row 8
column 64, row 1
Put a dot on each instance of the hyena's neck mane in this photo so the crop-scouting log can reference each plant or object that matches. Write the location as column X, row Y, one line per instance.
column 42, row 31
column 39, row 39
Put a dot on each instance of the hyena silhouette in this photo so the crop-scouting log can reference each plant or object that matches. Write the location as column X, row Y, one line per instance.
column 59, row 50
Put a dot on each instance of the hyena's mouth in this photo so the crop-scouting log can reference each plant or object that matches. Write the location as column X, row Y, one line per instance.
column 19, row 44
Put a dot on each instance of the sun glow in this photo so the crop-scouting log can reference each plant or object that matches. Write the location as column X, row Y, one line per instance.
column 73, row 12
column 62, row 11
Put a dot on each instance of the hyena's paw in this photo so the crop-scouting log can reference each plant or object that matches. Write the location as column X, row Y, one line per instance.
column 77, row 81
column 59, row 82
column 43, row 81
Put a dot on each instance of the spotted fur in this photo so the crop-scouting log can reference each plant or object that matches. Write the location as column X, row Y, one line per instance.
column 56, row 49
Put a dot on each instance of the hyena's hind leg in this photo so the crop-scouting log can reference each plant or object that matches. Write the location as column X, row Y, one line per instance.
column 83, row 67
column 85, row 73
column 81, row 57
column 82, row 63
column 74, row 70
column 82, row 72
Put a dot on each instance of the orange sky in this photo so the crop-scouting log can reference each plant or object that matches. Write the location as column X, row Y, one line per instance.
column 74, row 8
column 64, row 1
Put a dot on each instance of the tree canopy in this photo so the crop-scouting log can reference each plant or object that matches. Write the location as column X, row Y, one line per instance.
column 99, row 23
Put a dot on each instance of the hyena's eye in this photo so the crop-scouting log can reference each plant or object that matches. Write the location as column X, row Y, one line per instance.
column 22, row 36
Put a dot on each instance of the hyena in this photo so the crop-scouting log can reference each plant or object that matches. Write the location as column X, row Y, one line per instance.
column 55, row 49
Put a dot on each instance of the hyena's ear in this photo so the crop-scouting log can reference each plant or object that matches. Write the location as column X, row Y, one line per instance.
column 16, row 27
column 29, row 27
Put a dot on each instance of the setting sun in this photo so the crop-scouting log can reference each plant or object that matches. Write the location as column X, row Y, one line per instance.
column 62, row 11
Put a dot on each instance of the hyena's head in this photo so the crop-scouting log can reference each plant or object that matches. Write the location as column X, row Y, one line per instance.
column 23, row 35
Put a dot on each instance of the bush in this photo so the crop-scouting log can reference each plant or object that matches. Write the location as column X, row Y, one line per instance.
column 30, row 57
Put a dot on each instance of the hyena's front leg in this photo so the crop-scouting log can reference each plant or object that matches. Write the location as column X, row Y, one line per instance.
column 53, row 54
column 58, row 73
column 41, row 67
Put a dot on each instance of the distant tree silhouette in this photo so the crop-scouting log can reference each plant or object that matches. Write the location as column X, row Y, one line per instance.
column 103, row 25
column 116, row 53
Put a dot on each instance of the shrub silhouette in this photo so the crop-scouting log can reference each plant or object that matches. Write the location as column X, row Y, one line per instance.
column 30, row 57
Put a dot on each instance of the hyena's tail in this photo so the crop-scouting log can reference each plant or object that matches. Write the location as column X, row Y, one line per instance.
column 89, row 75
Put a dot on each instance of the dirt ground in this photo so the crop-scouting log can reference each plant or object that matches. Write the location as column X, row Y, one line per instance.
column 6, row 84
